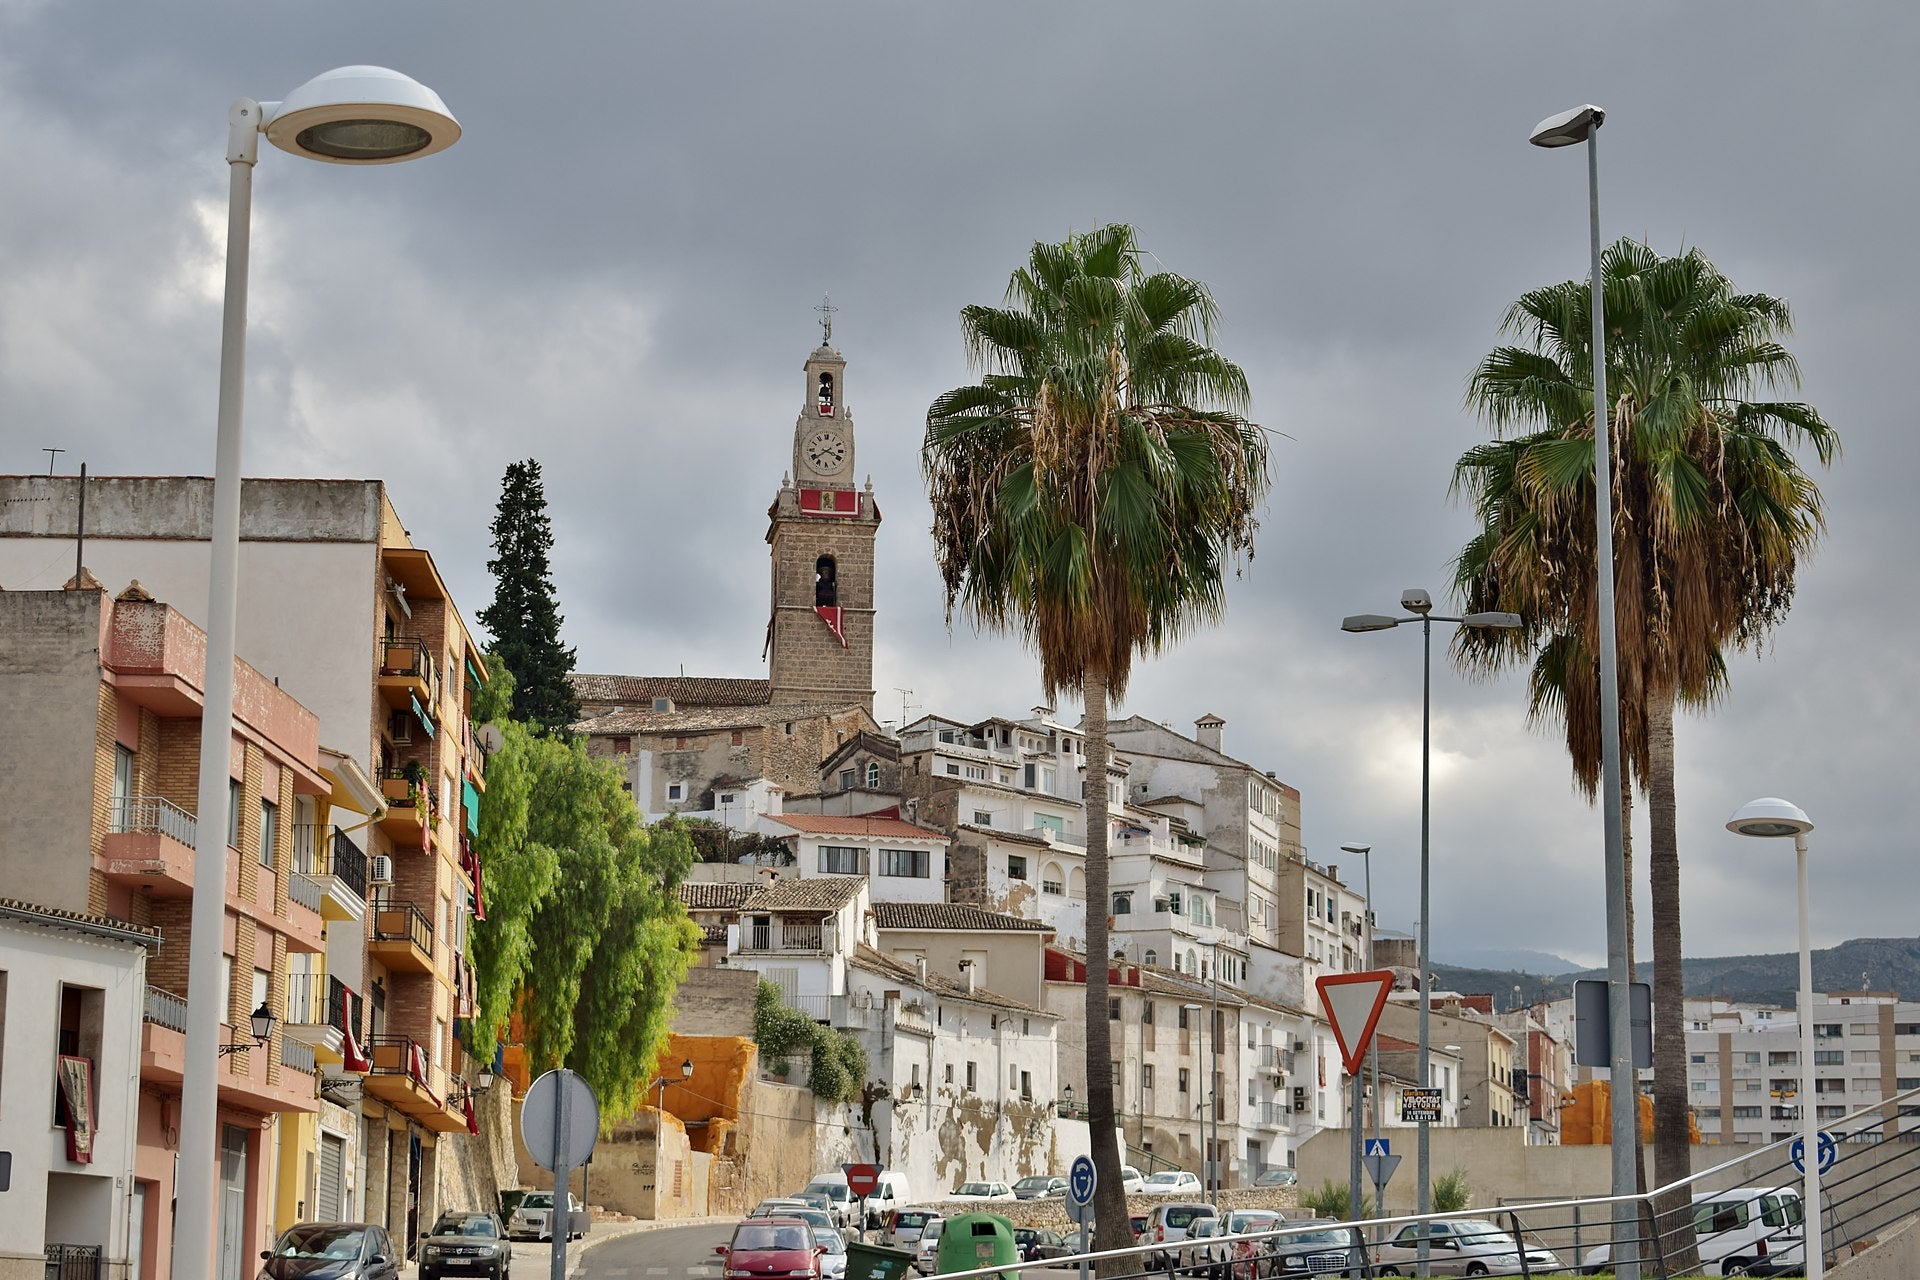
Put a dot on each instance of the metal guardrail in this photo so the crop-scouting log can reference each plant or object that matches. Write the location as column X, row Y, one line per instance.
column 152, row 815
column 348, row 864
column 304, row 890
column 394, row 921
column 165, row 1009
column 297, row 1054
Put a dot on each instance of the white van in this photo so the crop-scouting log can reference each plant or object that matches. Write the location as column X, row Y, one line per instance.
column 1742, row 1231
column 889, row 1193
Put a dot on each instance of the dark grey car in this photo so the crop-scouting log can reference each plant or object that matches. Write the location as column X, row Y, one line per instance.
column 332, row 1251
column 465, row 1244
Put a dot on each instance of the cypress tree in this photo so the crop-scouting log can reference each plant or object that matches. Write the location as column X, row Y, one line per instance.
column 524, row 617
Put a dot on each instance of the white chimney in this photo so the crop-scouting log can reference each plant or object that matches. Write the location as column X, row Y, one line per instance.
column 1206, row 732
column 968, row 965
column 920, row 969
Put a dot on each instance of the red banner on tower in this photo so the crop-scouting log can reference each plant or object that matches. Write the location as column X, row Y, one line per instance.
column 830, row 502
column 830, row 614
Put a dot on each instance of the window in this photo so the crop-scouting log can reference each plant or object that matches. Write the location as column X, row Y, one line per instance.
column 676, row 791
column 1904, row 1083
column 1123, row 903
column 233, row 813
column 1017, row 868
column 737, row 738
column 1026, row 1087
column 122, row 788
column 1146, row 1076
column 1113, row 1009
column 269, row 832
column 1829, row 1057
column 1866, row 1057
column 1013, row 1077
column 1183, row 1080
column 1151, row 956
column 840, row 860
column 949, row 1073
column 1750, row 1059
column 259, row 994
column 973, row 1076
column 981, row 818
column 1862, row 1029
column 953, row 770
column 846, row 779
column 904, row 862
column 976, row 773
column 873, row 774
column 1183, row 1018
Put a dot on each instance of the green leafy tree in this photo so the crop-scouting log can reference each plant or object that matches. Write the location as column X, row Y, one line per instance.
column 585, row 937
column 524, row 617
column 1712, row 515
column 1088, row 494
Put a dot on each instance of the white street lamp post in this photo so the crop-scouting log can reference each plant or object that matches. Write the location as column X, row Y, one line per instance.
column 351, row 115
column 1582, row 124
column 1775, row 818
column 1420, row 605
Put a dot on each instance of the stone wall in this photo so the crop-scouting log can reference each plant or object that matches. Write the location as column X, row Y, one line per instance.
column 715, row 1002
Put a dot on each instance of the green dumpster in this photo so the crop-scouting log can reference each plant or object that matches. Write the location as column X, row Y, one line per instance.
column 973, row 1240
column 871, row 1262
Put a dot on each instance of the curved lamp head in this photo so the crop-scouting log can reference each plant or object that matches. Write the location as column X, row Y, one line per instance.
column 1769, row 816
column 1356, row 848
column 1369, row 622
column 361, row 115
column 1568, row 127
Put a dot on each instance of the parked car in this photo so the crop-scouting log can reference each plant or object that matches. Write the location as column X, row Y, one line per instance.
column 833, row 1262
column 890, row 1192
column 1740, row 1231
column 1236, row 1256
column 1131, row 1182
column 841, row 1203
column 1174, row 1182
column 1459, row 1247
column 818, row 1219
column 776, row 1206
column 533, row 1216
column 984, row 1191
column 337, row 1250
column 1310, row 1253
column 1039, row 1187
column 1203, row 1252
column 772, row 1247
column 926, row 1250
column 465, row 1244
column 814, row 1199
column 1167, row 1224
column 1038, row 1244
column 906, row 1225
column 1276, row 1178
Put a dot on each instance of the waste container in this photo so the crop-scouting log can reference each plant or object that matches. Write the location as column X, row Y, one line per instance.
column 977, row 1240
column 871, row 1262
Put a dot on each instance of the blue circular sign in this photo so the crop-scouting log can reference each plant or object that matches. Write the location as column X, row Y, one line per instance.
column 1828, row 1150
column 1082, row 1178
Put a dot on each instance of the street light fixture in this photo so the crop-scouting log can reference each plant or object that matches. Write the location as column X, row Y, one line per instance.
column 260, row 1023
column 351, row 115
column 1420, row 605
column 1582, row 124
column 1772, row 818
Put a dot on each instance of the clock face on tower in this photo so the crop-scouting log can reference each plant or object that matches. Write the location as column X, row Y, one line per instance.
column 825, row 451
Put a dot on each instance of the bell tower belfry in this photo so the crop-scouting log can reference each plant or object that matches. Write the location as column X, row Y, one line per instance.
column 821, row 532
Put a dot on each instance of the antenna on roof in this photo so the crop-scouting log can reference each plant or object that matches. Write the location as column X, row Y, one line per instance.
column 52, row 456
column 904, row 705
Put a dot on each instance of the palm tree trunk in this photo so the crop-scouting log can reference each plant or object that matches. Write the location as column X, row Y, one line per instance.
column 1671, row 1147
column 1113, row 1229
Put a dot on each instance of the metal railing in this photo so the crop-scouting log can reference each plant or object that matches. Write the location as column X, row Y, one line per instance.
column 165, row 1009
column 403, row 921
column 151, row 815
column 405, row 656
column 297, row 1055
column 348, row 864
column 73, row 1262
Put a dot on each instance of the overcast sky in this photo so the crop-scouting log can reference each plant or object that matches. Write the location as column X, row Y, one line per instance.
column 614, row 271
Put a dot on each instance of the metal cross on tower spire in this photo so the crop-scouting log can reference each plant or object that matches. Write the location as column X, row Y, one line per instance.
column 826, row 310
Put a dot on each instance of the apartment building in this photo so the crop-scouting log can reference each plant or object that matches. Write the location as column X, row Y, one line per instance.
column 1744, row 1073
column 906, row 863
column 1464, row 1028
column 340, row 610
column 99, row 783
column 72, row 991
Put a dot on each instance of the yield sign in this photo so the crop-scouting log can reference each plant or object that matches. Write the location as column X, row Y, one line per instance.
column 1353, row 1002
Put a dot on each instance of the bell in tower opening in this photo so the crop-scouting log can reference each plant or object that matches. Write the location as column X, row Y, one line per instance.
column 826, row 395
column 825, row 594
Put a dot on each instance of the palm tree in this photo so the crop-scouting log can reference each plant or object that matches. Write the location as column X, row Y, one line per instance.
column 1712, row 515
column 1088, row 494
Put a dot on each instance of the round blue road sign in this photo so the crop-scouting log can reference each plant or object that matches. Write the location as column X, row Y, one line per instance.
column 1081, row 1180
column 1829, row 1151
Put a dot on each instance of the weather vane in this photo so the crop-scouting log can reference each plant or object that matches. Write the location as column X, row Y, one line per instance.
column 826, row 310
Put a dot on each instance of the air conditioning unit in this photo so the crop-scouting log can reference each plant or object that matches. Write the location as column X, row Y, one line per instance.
column 380, row 869
column 1299, row 1046
column 1299, row 1098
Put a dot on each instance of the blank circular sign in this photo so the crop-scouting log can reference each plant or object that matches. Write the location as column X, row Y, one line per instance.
column 557, row 1142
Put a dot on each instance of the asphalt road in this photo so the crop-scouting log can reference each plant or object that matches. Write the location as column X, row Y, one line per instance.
column 683, row 1251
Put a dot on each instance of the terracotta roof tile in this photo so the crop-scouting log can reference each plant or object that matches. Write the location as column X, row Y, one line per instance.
column 599, row 691
column 143, row 934
column 821, row 824
column 1010, row 837
column 701, row 719
column 950, row 915
column 813, row 893
column 865, row 957
column 708, row 896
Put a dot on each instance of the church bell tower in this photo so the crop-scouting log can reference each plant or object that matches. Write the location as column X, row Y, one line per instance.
column 821, row 531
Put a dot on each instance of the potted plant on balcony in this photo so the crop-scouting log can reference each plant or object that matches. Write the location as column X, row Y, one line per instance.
column 415, row 775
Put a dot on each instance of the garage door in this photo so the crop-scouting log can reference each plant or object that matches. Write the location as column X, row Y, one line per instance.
column 329, row 1194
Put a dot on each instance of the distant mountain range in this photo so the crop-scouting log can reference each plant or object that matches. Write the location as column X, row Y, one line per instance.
column 1875, row 964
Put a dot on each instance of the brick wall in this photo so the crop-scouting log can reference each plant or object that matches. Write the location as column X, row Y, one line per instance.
column 807, row 662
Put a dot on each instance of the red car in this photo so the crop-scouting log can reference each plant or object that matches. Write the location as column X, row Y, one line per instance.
column 771, row 1247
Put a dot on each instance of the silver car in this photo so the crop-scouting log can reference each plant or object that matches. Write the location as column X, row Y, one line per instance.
column 533, row 1218
column 833, row 1263
column 1459, row 1247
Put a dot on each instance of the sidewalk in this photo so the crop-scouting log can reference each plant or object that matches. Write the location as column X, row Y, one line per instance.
column 530, row 1259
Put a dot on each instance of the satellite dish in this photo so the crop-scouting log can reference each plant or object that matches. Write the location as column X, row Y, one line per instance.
column 491, row 739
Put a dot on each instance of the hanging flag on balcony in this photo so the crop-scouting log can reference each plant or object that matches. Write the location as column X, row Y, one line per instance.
column 830, row 614
column 351, row 1057
column 76, row 1090
column 470, row 863
column 473, row 1125
column 417, row 1067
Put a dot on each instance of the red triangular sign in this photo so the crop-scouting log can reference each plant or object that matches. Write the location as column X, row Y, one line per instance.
column 1353, row 1002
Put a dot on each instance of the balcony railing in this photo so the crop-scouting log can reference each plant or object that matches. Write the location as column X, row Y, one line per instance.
column 333, row 855
column 406, row 656
column 348, row 864
column 165, row 1009
column 403, row 921
column 304, row 890
column 321, row 1000
column 144, row 815
column 781, row 936
column 296, row 1054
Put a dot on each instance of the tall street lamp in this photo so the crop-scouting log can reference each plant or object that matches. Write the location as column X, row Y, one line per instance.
column 1420, row 605
column 351, row 115
column 1775, row 818
column 1582, row 124
column 1373, row 1043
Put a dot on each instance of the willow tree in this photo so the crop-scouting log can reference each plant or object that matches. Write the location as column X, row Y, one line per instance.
column 1712, row 514
column 1089, row 494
